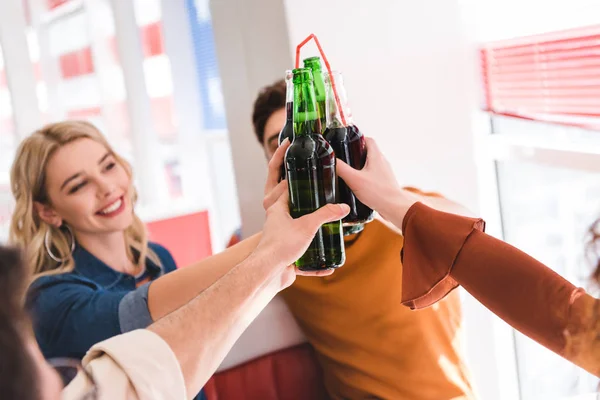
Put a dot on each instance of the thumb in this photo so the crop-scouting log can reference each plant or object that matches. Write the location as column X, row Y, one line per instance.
column 327, row 213
column 372, row 146
column 284, row 198
column 347, row 173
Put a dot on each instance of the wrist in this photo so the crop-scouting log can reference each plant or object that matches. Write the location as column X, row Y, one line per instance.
column 396, row 205
column 264, row 260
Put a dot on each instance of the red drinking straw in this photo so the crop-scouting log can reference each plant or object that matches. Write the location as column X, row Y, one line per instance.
column 335, row 93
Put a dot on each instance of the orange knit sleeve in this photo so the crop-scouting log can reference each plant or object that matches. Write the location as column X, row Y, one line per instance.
column 432, row 241
column 442, row 251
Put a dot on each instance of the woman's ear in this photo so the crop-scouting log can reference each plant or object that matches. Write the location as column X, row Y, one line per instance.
column 47, row 214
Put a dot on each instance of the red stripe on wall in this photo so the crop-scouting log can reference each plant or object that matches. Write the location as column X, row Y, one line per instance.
column 80, row 62
column 84, row 113
column 76, row 63
column 152, row 40
column 186, row 237
column 55, row 3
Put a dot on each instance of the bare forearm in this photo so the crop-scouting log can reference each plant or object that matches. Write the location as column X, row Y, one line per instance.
column 176, row 289
column 397, row 204
column 447, row 205
column 202, row 332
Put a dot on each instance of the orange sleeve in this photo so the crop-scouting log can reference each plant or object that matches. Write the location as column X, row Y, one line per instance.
column 432, row 241
column 442, row 251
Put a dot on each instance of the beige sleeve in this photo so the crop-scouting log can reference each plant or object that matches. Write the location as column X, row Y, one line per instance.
column 135, row 365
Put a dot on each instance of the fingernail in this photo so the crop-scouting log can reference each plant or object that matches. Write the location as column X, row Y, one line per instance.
column 286, row 140
column 344, row 207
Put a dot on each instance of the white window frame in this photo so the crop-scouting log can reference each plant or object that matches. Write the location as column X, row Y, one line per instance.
column 555, row 150
column 194, row 146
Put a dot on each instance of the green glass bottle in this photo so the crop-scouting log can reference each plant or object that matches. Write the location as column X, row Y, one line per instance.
column 312, row 181
column 287, row 132
column 349, row 146
column 314, row 63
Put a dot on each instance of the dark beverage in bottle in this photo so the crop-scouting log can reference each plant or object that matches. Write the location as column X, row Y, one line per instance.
column 314, row 63
column 288, row 129
column 312, row 181
column 349, row 146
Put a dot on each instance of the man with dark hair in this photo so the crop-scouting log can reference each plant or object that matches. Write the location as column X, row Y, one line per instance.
column 163, row 361
column 368, row 344
column 269, row 108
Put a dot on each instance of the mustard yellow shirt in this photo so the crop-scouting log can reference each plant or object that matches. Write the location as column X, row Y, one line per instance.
column 369, row 345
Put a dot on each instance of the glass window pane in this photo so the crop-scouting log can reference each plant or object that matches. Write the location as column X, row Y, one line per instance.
column 546, row 212
column 545, row 134
column 207, row 68
column 80, row 76
column 157, row 68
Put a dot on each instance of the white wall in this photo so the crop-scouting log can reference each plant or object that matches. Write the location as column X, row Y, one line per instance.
column 505, row 19
column 253, row 50
column 409, row 79
column 407, row 71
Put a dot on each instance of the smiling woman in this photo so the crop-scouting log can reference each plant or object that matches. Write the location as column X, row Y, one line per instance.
column 91, row 262
column 68, row 173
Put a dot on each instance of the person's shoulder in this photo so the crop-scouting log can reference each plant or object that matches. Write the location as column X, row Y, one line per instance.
column 164, row 255
column 46, row 281
column 379, row 230
column 47, row 291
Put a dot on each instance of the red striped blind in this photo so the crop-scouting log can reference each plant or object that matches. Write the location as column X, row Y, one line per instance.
column 554, row 77
column 55, row 3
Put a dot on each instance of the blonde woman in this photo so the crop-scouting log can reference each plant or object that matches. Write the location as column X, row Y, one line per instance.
column 95, row 274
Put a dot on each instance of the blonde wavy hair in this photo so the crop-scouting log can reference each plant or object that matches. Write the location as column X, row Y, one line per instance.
column 28, row 185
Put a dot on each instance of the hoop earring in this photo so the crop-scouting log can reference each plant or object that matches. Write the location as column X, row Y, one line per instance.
column 49, row 250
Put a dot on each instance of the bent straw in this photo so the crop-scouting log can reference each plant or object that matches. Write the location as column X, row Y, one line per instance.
column 327, row 65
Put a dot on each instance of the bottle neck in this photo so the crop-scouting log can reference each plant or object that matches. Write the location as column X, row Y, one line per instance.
column 319, row 83
column 289, row 111
column 289, row 98
column 321, row 96
column 305, row 116
column 334, row 117
column 314, row 64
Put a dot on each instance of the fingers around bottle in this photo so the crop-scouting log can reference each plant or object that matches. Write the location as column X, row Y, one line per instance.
column 347, row 173
column 327, row 213
column 372, row 146
column 275, row 166
column 282, row 202
column 274, row 194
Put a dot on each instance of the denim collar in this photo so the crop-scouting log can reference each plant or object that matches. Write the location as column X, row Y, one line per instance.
column 91, row 267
